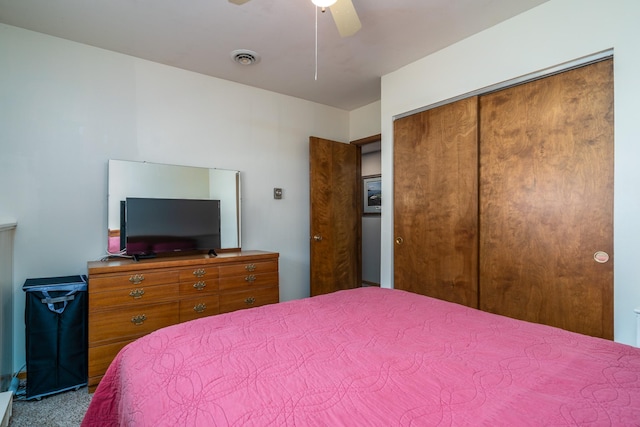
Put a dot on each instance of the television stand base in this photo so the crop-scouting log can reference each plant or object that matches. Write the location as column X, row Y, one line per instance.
column 138, row 257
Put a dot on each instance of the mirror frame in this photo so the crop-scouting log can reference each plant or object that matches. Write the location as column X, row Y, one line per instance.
column 127, row 178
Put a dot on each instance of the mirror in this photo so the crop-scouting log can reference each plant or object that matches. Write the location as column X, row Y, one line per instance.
column 154, row 180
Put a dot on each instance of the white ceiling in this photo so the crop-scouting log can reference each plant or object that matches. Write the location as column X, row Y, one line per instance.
column 199, row 35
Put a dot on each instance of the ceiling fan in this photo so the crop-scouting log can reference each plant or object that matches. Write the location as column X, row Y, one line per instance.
column 344, row 14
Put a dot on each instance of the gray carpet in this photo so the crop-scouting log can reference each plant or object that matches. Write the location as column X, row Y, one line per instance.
column 58, row 410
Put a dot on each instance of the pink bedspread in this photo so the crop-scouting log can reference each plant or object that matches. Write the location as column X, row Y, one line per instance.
column 369, row 356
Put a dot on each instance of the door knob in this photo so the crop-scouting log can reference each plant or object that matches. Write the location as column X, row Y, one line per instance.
column 601, row 257
column 317, row 237
column 399, row 240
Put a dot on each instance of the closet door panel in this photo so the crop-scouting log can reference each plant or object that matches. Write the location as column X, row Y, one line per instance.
column 436, row 202
column 546, row 200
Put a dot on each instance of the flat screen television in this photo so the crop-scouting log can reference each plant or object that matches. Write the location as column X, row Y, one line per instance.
column 156, row 226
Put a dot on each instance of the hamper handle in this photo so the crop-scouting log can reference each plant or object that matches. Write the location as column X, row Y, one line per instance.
column 58, row 299
column 51, row 301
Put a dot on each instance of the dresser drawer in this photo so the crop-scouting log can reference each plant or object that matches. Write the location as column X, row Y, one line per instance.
column 248, row 281
column 194, row 287
column 194, row 308
column 246, row 299
column 198, row 273
column 130, row 321
column 133, row 295
column 135, row 279
column 241, row 269
column 101, row 357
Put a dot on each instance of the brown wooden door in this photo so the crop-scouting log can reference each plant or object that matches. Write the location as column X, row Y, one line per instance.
column 335, row 216
column 546, row 200
column 436, row 202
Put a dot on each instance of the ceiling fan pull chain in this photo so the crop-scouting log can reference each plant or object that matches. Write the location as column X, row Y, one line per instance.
column 316, row 72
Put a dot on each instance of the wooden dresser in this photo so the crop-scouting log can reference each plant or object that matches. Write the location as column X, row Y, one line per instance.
column 129, row 299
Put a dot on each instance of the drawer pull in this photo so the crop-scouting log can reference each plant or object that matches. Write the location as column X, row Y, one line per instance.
column 250, row 278
column 136, row 293
column 199, row 308
column 199, row 272
column 250, row 267
column 139, row 319
column 250, row 301
column 136, row 279
column 199, row 285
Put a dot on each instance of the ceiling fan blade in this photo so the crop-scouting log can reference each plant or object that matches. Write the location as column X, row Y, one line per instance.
column 238, row 1
column 345, row 17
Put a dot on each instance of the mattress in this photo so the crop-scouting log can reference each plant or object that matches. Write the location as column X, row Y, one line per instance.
column 368, row 356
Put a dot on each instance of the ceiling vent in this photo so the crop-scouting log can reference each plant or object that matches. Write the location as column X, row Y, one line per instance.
column 245, row 57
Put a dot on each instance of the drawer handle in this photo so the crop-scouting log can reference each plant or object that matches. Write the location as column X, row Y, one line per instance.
column 250, row 278
column 136, row 293
column 136, row 279
column 250, row 267
column 199, row 308
column 199, row 272
column 139, row 319
column 199, row 285
column 250, row 301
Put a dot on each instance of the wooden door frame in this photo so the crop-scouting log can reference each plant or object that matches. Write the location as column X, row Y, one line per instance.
column 368, row 140
column 360, row 143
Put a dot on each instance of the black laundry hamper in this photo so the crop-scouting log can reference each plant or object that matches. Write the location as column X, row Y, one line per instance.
column 56, row 334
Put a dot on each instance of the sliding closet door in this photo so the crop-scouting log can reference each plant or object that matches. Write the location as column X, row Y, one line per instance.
column 436, row 202
column 546, row 201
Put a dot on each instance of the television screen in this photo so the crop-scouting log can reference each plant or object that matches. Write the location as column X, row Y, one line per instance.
column 156, row 226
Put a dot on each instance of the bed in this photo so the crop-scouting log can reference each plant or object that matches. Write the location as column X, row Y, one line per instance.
column 368, row 356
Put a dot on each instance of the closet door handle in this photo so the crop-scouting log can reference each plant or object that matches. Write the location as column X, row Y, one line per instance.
column 399, row 240
column 317, row 238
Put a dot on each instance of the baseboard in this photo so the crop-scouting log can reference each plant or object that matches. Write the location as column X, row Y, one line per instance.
column 368, row 283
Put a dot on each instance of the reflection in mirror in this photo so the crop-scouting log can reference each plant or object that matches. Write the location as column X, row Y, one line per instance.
column 154, row 180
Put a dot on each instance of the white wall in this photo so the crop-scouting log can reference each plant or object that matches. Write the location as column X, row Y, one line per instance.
column 364, row 121
column 67, row 108
column 551, row 34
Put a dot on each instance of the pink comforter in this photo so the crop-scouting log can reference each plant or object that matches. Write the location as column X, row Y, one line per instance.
column 369, row 356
